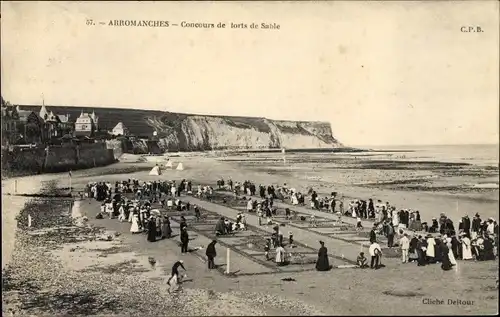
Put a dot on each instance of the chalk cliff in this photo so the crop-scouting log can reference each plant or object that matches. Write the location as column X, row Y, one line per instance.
column 195, row 132
column 187, row 132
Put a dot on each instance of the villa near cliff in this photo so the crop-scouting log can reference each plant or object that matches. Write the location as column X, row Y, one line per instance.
column 86, row 124
column 28, row 126
column 120, row 129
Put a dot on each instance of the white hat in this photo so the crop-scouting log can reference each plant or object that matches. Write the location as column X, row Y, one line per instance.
column 181, row 261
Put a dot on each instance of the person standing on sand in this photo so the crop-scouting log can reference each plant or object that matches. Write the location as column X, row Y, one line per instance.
column 446, row 264
column 322, row 264
column 451, row 256
column 373, row 235
column 182, row 224
column 280, row 255
column 159, row 225
column 390, row 235
column 371, row 209
column 151, row 229
column 476, row 226
column 267, row 248
column 412, row 251
column 122, row 216
column 466, row 247
column 166, row 229
column 211, row 254
column 134, row 228
column 430, row 253
column 197, row 213
column 405, row 246
column 184, row 240
column 375, row 252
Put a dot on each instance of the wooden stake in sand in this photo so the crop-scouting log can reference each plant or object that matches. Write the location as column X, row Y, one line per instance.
column 70, row 182
column 228, row 261
column 29, row 221
column 15, row 187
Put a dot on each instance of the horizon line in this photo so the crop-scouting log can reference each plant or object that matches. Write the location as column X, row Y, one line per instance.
column 435, row 144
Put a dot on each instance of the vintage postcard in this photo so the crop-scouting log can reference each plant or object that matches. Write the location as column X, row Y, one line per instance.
column 250, row 158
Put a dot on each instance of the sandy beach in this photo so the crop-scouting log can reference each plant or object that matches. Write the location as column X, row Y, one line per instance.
column 122, row 262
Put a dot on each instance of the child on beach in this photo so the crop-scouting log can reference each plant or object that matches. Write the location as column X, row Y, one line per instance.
column 197, row 213
column 313, row 221
column 361, row 261
column 267, row 247
column 359, row 226
column 290, row 238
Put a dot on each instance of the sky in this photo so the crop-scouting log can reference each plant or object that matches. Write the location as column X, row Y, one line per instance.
column 391, row 73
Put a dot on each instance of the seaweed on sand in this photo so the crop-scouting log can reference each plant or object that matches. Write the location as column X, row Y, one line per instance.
column 403, row 293
column 78, row 303
column 45, row 214
column 122, row 267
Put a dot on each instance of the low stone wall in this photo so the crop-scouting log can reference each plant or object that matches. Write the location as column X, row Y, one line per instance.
column 56, row 158
column 29, row 160
column 92, row 155
column 59, row 158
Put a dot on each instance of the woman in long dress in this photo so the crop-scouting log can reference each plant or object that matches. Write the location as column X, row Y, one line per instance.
column 322, row 264
column 445, row 264
column 135, row 224
column 412, row 252
column 166, row 230
column 109, row 210
column 421, row 252
column 131, row 214
column 466, row 248
column 158, row 227
column 121, row 217
column 430, row 253
column 152, row 229
column 451, row 256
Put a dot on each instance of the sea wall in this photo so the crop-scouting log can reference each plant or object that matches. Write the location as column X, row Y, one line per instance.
column 28, row 160
column 92, row 155
column 55, row 158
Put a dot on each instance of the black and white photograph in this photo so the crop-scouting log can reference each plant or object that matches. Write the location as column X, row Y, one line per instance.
column 250, row 158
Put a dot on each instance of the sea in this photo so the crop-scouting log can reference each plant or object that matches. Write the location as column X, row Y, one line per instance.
column 475, row 154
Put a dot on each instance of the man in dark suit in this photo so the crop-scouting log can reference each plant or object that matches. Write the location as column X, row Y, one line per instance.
column 373, row 235
column 466, row 225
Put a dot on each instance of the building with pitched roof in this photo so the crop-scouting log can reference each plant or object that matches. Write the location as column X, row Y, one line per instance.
column 120, row 129
column 86, row 124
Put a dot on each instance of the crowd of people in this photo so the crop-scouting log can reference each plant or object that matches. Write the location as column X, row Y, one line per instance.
column 473, row 239
column 138, row 211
